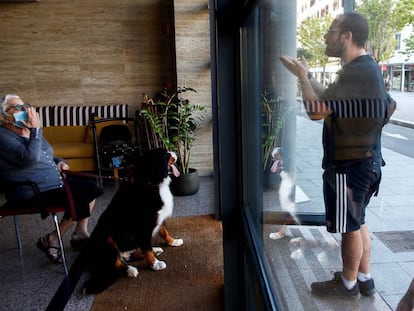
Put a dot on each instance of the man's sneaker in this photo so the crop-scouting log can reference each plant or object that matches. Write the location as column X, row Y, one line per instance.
column 335, row 289
column 366, row 288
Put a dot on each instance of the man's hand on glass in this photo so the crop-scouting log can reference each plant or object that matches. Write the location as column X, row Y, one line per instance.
column 299, row 68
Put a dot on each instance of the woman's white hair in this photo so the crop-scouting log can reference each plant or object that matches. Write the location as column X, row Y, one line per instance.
column 4, row 102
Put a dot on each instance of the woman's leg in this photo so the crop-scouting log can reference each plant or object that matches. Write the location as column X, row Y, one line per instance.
column 81, row 230
column 52, row 240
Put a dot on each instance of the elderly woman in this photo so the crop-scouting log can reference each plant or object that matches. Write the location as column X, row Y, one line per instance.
column 26, row 155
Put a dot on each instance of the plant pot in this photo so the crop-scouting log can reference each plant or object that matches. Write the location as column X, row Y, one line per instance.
column 186, row 184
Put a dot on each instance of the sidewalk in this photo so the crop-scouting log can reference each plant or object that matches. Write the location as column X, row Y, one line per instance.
column 390, row 215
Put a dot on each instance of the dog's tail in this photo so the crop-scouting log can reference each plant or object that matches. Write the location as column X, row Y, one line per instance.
column 98, row 283
column 102, row 276
column 102, row 266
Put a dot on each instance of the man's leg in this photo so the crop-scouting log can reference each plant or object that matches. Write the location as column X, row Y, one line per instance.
column 365, row 281
column 365, row 265
column 339, row 213
column 352, row 251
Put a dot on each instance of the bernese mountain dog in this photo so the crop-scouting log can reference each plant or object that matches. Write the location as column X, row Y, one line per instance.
column 135, row 214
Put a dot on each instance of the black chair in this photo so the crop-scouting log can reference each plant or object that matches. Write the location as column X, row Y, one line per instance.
column 36, row 206
column 116, row 143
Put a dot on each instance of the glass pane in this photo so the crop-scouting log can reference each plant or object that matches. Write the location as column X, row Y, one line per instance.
column 279, row 193
column 282, row 157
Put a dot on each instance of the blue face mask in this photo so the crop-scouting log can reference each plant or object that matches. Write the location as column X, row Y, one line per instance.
column 20, row 116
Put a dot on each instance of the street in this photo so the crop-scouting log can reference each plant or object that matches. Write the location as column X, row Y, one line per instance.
column 405, row 105
column 399, row 139
column 398, row 135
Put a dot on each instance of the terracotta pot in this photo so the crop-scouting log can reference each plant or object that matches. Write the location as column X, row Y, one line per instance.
column 186, row 184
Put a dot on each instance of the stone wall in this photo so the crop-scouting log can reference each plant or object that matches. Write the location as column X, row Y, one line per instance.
column 192, row 45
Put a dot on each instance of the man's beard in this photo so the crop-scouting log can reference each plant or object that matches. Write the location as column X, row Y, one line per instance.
column 335, row 50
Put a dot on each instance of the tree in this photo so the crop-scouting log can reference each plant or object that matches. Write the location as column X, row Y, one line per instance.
column 303, row 52
column 311, row 38
column 409, row 47
column 404, row 13
column 386, row 18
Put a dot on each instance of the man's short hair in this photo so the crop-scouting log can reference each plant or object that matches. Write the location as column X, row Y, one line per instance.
column 357, row 25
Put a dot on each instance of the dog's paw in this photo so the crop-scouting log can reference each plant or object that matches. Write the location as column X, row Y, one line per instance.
column 132, row 272
column 296, row 240
column 157, row 251
column 276, row 235
column 177, row 242
column 297, row 254
column 127, row 256
column 158, row 265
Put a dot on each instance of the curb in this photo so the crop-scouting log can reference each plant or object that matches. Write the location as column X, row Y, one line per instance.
column 402, row 123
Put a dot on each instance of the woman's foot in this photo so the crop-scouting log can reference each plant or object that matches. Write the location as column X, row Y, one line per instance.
column 79, row 240
column 50, row 249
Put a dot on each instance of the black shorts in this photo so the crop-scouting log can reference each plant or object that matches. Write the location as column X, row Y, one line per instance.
column 347, row 190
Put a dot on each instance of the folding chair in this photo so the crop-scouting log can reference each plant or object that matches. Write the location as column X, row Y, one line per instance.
column 115, row 145
column 37, row 206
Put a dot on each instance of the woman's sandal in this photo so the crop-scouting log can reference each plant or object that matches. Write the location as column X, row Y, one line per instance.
column 44, row 246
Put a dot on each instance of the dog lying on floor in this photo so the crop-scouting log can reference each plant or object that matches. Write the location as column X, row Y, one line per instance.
column 135, row 214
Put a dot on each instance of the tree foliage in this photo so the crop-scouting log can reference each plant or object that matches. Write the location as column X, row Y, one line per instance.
column 386, row 18
column 311, row 37
column 404, row 13
column 404, row 10
column 409, row 46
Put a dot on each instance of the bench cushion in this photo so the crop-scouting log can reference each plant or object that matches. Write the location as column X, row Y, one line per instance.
column 73, row 150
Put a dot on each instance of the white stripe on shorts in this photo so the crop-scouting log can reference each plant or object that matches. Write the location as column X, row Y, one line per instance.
column 341, row 203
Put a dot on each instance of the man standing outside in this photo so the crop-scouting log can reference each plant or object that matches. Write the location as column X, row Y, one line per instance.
column 354, row 109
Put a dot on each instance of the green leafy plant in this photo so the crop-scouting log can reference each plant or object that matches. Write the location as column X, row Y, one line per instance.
column 175, row 124
column 274, row 115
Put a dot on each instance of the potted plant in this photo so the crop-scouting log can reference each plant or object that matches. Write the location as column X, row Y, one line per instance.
column 274, row 115
column 174, row 124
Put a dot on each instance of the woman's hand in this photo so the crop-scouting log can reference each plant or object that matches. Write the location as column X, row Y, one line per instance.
column 62, row 166
column 33, row 118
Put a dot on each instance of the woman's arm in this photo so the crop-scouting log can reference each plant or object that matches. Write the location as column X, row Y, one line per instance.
column 20, row 151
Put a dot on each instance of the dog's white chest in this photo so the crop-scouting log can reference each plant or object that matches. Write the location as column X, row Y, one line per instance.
column 168, row 203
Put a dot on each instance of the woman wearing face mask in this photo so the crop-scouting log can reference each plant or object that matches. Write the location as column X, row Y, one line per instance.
column 26, row 155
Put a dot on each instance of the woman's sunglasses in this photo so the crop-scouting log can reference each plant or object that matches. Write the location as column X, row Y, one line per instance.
column 19, row 107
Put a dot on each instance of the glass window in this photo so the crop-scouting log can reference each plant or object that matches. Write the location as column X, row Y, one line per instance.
column 280, row 192
column 397, row 41
column 269, row 107
column 281, row 153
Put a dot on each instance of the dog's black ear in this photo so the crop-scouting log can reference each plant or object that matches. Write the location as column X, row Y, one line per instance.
column 152, row 167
